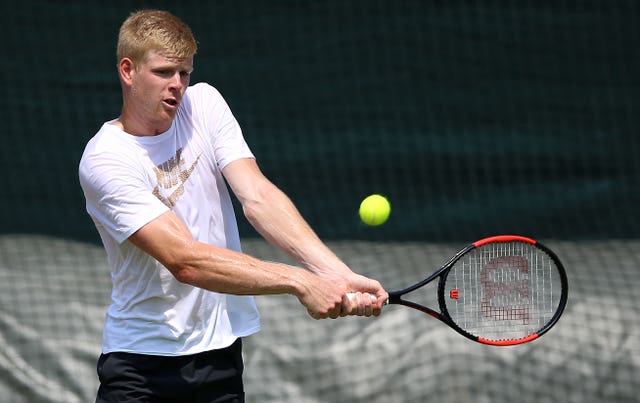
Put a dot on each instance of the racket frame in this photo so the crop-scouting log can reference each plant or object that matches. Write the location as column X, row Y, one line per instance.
column 396, row 297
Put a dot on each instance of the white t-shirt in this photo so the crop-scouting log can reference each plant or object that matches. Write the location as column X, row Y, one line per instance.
column 130, row 180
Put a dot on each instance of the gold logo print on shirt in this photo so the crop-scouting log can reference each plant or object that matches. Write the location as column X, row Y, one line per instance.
column 170, row 174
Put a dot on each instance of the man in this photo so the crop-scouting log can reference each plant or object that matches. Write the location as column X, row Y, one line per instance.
column 155, row 180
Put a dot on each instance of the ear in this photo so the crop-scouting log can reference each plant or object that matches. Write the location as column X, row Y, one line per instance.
column 126, row 69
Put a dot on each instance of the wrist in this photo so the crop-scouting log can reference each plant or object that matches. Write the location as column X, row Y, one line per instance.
column 328, row 267
column 297, row 283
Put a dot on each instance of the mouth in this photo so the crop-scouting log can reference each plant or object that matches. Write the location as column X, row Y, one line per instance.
column 171, row 102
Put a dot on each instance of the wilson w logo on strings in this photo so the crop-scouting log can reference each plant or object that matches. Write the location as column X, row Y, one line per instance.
column 506, row 284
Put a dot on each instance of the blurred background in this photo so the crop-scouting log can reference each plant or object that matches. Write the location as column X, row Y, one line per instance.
column 474, row 118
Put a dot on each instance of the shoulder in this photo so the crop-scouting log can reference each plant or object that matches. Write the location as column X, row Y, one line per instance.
column 204, row 103
column 106, row 149
column 108, row 139
column 202, row 90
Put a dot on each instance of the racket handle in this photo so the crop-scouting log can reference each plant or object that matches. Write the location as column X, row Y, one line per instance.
column 352, row 295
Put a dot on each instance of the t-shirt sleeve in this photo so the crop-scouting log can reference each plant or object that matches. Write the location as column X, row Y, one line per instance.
column 117, row 195
column 225, row 134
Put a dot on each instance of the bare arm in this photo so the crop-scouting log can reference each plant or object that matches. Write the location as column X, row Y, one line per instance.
column 222, row 270
column 276, row 218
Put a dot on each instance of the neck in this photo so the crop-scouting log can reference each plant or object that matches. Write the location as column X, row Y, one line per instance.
column 138, row 127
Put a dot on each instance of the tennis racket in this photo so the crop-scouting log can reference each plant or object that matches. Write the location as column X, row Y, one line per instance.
column 503, row 290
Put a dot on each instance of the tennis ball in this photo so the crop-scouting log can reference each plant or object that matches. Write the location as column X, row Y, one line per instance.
column 374, row 210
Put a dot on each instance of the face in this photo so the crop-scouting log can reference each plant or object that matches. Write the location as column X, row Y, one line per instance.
column 153, row 92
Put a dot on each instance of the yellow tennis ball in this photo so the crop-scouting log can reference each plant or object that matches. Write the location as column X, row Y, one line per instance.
column 374, row 210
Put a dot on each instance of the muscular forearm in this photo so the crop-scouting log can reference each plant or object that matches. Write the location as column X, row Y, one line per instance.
column 275, row 217
column 214, row 268
column 226, row 271
column 223, row 270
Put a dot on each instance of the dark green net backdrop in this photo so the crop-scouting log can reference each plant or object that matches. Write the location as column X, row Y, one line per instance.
column 473, row 117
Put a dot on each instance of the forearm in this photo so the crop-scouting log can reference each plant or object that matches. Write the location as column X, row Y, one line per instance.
column 214, row 268
column 218, row 269
column 226, row 271
column 276, row 218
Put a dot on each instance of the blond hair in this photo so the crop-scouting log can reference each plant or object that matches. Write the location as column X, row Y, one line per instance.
column 149, row 30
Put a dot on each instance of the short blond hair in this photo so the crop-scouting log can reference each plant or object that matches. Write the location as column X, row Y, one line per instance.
column 149, row 30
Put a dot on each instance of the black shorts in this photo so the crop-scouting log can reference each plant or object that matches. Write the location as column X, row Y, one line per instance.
column 212, row 376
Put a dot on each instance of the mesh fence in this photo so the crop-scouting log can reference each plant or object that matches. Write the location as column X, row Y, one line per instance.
column 474, row 118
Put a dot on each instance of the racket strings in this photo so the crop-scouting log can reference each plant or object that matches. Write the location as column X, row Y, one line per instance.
column 502, row 291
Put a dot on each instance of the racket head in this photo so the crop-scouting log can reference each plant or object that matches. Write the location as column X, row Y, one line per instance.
column 503, row 290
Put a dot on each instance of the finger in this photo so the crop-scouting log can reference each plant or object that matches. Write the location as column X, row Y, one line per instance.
column 353, row 301
column 382, row 298
column 368, row 304
column 348, row 305
column 363, row 303
column 317, row 315
column 371, row 305
column 353, row 294
column 360, row 298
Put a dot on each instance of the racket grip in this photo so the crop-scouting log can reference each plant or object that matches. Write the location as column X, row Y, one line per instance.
column 352, row 295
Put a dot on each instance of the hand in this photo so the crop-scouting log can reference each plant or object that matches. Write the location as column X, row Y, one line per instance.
column 359, row 304
column 367, row 297
column 322, row 298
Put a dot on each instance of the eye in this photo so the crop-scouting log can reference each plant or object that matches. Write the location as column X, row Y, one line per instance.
column 163, row 73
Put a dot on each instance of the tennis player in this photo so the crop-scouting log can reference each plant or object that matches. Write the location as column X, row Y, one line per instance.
column 155, row 182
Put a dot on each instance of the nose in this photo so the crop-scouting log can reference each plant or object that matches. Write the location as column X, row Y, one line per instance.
column 176, row 81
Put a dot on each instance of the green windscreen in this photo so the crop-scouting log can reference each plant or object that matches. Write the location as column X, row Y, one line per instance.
column 472, row 118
